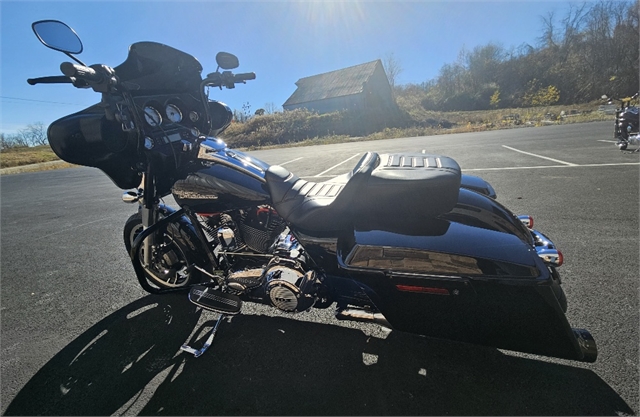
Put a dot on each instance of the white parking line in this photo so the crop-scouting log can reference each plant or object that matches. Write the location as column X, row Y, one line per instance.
column 539, row 156
column 335, row 166
column 552, row 166
column 288, row 162
column 609, row 141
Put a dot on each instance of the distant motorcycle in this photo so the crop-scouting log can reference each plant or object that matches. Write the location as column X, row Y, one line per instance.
column 625, row 131
column 404, row 239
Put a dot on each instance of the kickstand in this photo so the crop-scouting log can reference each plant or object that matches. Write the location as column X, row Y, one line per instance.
column 198, row 353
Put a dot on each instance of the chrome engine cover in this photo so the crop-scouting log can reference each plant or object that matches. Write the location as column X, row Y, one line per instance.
column 282, row 287
column 289, row 289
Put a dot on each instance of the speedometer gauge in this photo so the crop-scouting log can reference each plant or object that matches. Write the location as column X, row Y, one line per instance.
column 173, row 113
column 152, row 116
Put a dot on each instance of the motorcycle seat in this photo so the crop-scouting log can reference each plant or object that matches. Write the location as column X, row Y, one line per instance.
column 322, row 206
column 379, row 186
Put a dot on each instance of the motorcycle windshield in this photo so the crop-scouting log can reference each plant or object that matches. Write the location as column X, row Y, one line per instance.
column 151, row 67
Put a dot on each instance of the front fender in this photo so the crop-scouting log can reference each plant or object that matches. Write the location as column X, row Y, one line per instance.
column 186, row 235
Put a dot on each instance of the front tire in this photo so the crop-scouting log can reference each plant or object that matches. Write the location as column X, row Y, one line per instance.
column 171, row 266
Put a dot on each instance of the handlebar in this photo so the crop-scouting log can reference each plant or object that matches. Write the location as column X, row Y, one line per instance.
column 228, row 79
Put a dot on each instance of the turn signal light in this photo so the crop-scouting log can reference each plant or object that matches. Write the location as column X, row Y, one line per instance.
column 551, row 257
column 527, row 221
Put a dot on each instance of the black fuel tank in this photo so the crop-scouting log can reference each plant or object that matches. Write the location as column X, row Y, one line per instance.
column 226, row 179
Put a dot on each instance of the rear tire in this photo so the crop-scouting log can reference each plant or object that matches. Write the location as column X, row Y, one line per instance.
column 170, row 264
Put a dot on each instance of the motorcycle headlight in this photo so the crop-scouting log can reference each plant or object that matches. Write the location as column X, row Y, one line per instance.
column 629, row 128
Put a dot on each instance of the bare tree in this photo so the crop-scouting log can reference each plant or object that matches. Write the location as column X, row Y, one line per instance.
column 4, row 141
column 270, row 108
column 34, row 134
column 393, row 68
column 549, row 35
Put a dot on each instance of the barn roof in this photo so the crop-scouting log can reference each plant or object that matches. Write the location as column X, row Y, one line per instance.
column 343, row 82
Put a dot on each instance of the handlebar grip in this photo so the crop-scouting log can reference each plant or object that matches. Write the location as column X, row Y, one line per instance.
column 80, row 71
column 244, row 76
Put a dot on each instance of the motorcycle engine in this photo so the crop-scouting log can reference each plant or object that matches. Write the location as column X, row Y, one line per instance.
column 283, row 282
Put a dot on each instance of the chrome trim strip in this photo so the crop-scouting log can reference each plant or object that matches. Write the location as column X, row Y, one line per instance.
column 207, row 153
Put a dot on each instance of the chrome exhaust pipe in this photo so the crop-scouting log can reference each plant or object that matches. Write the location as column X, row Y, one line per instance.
column 356, row 314
column 587, row 345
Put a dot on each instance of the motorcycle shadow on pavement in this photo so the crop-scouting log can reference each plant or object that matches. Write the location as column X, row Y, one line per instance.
column 130, row 363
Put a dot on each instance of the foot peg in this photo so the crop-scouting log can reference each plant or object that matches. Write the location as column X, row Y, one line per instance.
column 198, row 352
column 215, row 300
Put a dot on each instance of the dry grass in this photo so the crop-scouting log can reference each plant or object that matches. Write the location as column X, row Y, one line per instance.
column 14, row 157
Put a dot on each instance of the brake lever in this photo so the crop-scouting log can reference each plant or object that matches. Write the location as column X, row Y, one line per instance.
column 56, row 79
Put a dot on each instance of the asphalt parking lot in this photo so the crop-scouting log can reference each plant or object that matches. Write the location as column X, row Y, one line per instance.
column 80, row 337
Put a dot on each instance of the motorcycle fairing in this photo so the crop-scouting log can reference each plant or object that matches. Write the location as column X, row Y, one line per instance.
column 87, row 138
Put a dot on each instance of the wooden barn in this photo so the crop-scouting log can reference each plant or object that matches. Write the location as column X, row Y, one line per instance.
column 361, row 87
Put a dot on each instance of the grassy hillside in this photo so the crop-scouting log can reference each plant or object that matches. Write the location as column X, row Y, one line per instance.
column 301, row 127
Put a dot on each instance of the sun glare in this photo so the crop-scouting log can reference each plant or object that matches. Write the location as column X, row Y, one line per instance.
column 333, row 14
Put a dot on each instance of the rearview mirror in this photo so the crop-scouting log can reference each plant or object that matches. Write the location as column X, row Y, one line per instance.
column 57, row 35
column 227, row 61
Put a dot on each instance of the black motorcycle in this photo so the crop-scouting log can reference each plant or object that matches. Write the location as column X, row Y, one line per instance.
column 625, row 131
column 404, row 239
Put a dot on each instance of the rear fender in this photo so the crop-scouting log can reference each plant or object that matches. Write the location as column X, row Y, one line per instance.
column 477, row 184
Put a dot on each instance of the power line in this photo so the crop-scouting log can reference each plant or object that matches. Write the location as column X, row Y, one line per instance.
column 39, row 101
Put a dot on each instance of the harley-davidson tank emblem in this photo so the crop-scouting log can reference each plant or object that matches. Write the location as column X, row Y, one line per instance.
column 191, row 190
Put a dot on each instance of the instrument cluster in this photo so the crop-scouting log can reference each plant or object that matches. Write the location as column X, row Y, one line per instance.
column 164, row 114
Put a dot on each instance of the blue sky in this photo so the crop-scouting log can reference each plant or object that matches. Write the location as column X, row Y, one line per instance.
column 281, row 41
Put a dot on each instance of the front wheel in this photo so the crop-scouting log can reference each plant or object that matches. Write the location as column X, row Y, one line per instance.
column 170, row 265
